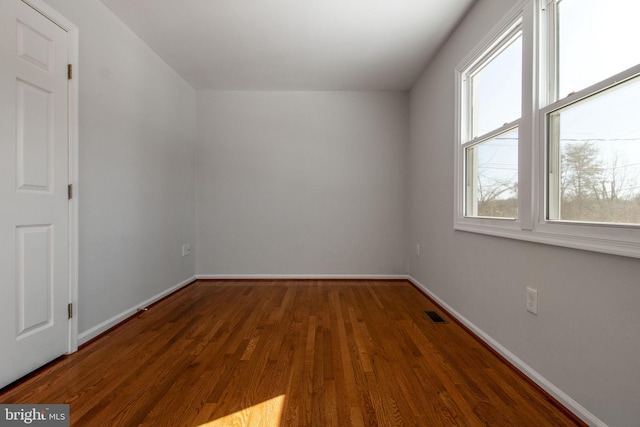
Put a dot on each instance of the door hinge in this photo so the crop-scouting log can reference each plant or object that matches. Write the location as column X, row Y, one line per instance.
column 70, row 310
column 69, row 71
column 70, row 191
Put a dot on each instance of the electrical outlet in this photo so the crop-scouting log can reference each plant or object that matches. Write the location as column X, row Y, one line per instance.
column 186, row 249
column 532, row 300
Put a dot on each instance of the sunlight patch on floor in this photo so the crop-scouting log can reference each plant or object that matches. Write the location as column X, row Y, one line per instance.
column 265, row 414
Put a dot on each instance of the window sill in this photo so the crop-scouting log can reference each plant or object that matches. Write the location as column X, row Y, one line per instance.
column 563, row 235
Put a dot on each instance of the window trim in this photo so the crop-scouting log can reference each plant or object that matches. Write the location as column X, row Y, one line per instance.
column 538, row 23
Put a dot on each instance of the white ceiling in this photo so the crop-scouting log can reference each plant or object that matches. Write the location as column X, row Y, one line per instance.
column 294, row 44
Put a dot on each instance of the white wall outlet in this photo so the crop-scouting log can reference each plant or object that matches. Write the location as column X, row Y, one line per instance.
column 186, row 249
column 417, row 249
column 532, row 300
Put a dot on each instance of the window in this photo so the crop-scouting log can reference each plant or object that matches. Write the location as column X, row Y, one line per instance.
column 594, row 157
column 593, row 140
column 548, row 127
column 593, row 41
column 492, row 86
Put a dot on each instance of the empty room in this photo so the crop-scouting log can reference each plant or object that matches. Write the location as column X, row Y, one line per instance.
column 335, row 213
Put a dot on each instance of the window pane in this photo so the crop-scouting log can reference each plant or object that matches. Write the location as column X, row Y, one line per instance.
column 492, row 176
column 598, row 140
column 496, row 90
column 597, row 39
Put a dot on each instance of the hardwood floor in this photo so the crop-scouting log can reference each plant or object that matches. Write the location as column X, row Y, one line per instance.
column 287, row 353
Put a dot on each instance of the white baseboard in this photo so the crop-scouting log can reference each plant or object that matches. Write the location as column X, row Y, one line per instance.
column 545, row 384
column 110, row 323
column 303, row 276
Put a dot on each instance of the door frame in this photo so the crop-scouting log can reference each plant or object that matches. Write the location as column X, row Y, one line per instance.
column 72, row 106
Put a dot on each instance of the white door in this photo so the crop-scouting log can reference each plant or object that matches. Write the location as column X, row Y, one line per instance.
column 34, row 206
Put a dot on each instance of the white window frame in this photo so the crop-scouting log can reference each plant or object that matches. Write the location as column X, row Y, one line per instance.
column 538, row 100
column 513, row 23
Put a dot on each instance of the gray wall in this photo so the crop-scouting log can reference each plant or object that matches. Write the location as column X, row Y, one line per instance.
column 136, row 141
column 585, row 339
column 301, row 182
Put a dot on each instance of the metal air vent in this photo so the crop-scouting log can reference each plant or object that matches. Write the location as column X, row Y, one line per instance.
column 434, row 317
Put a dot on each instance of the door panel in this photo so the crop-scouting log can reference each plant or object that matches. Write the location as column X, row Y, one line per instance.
column 35, row 137
column 34, row 307
column 35, row 47
column 34, row 220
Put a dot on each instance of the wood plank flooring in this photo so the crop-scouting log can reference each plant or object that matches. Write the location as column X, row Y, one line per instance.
column 288, row 353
